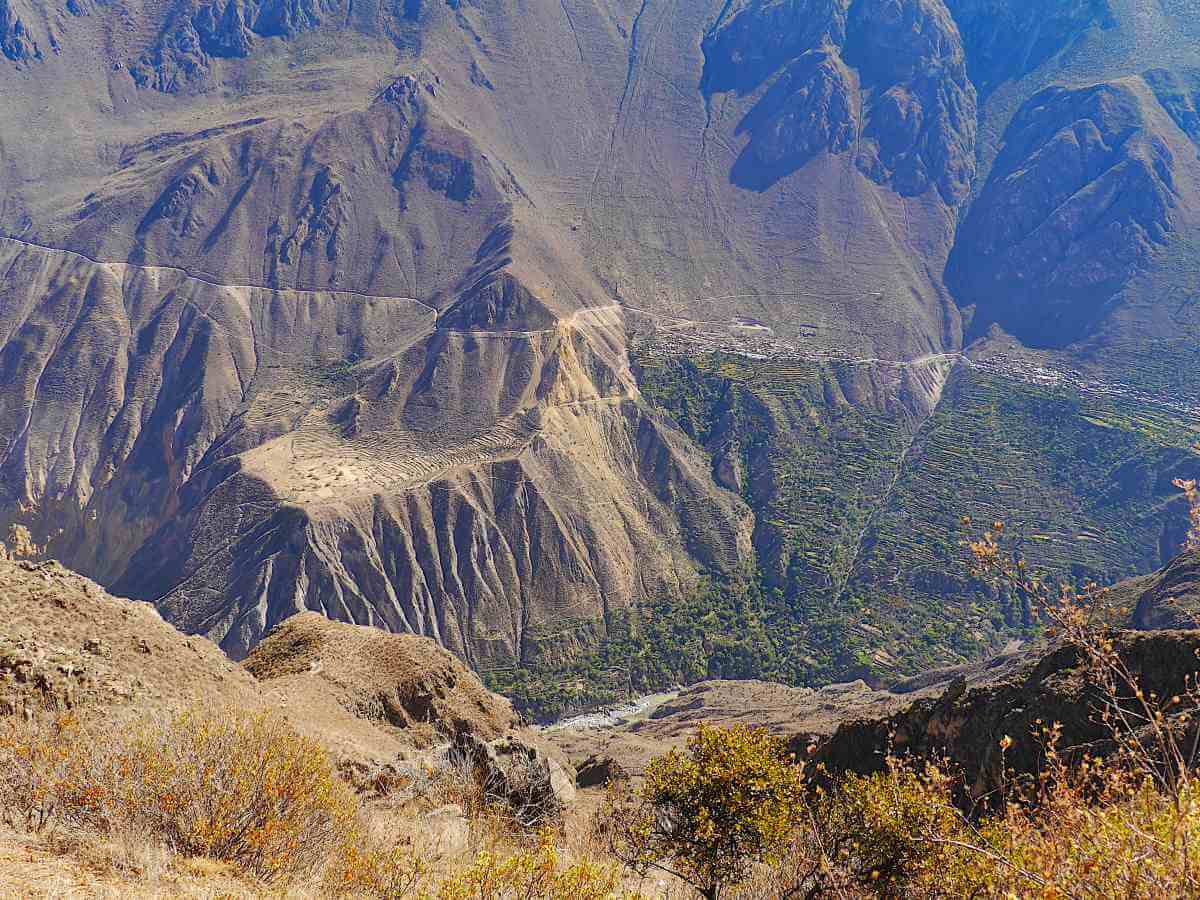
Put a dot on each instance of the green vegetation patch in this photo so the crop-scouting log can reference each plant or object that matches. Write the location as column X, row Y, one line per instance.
column 860, row 503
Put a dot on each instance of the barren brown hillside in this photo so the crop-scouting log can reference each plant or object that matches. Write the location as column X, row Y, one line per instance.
column 370, row 697
column 361, row 309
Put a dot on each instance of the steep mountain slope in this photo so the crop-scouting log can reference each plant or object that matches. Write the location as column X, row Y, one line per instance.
column 1090, row 182
column 327, row 306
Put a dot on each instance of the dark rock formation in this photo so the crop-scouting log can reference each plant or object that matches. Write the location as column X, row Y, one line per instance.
column 745, row 49
column 1005, row 39
column 811, row 108
column 1012, row 697
column 599, row 771
column 497, row 300
column 919, row 128
column 1169, row 598
column 1079, row 198
column 888, row 78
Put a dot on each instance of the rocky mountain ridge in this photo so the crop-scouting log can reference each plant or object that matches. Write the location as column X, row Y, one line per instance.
column 323, row 306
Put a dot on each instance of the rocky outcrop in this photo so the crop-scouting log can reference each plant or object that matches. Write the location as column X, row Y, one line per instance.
column 1179, row 94
column 755, row 40
column 811, row 108
column 918, row 130
column 887, row 79
column 200, row 32
column 1079, row 199
column 535, row 786
column 1169, row 598
column 497, row 300
column 599, row 771
column 403, row 681
column 1012, row 697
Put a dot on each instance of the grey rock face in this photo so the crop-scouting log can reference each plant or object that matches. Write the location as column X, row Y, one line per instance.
column 827, row 72
column 1079, row 198
column 811, row 108
column 919, row 131
column 757, row 39
column 534, row 786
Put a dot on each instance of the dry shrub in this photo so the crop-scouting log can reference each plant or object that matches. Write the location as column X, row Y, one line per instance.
column 246, row 790
column 899, row 834
column 708, row 815
column 1192, row 493
column 240, row 788
column 48, row 775
column 1097, row 830
column 454, row 781
column 880, row 832
column 370, row 869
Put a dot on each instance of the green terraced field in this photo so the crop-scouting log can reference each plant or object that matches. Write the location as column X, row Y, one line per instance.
column 859, row 568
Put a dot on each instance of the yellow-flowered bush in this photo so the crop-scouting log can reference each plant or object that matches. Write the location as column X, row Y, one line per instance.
column 48, row 774
column 710, row 814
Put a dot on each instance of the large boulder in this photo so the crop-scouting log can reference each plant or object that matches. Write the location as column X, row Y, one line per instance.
column 535, row 786
column 599, row 770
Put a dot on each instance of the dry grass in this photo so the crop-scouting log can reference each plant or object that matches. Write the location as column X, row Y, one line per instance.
column 1097, row 830
column 239, row 788
column 242, row 804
